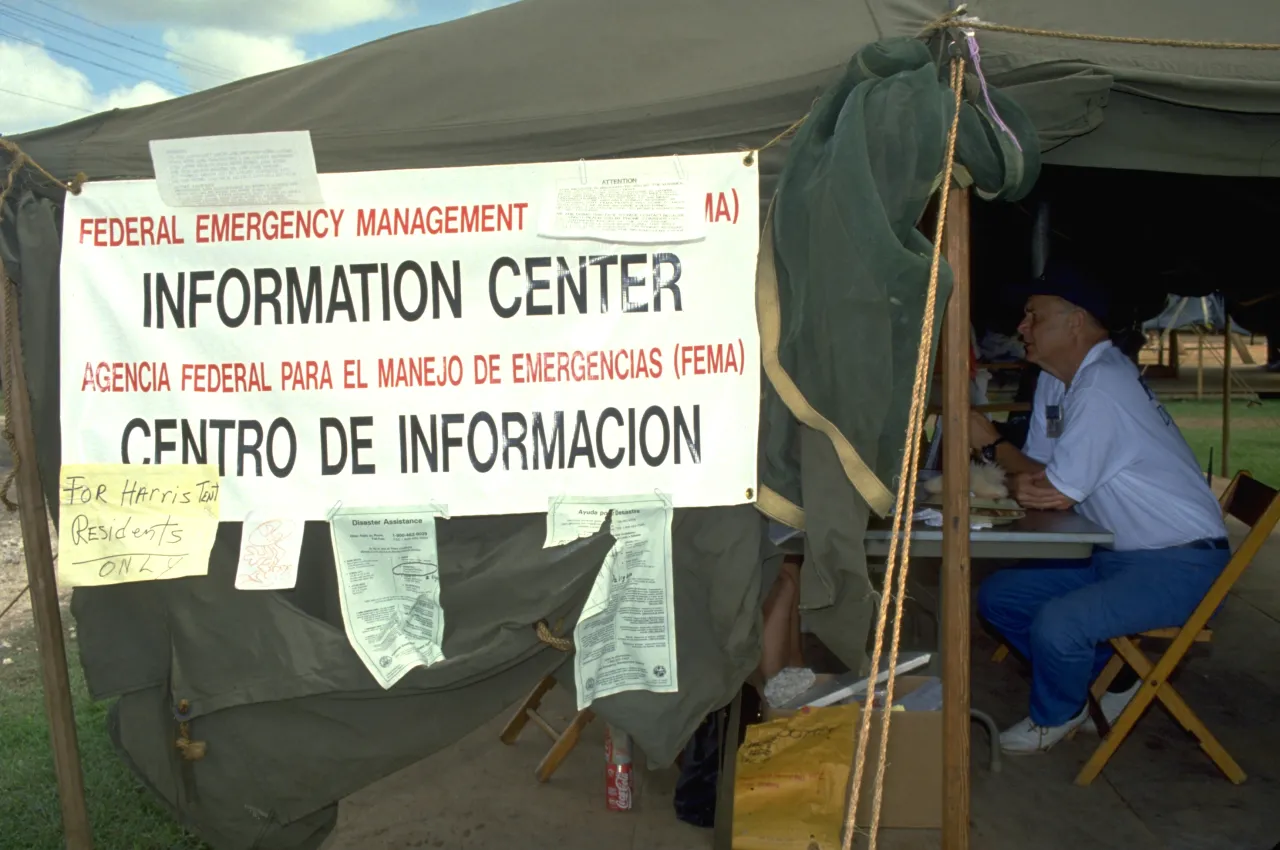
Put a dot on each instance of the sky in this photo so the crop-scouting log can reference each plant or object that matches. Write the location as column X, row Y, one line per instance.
column 65, row 59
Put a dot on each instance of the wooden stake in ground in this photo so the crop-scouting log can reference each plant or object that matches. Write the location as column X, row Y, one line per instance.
column 44, row 585
column 1199, row 365
column 955, row 533
column 1226, row 401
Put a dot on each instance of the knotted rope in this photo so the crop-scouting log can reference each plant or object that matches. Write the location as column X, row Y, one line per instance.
column 18, row 160
column 901, row 516
column 544, row 634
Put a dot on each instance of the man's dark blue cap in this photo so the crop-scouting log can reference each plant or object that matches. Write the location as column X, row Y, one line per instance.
column 1074, row 286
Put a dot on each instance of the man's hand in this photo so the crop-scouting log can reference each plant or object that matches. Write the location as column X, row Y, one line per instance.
column 981, row 432
column 1034, row 490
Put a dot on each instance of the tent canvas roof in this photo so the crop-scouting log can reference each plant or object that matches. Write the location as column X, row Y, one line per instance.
column 568, row 79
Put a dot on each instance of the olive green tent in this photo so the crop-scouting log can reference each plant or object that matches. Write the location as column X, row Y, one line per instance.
column 293, row 721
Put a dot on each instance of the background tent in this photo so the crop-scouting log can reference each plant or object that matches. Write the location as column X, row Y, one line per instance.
column 1185, row 313
column 560, row 80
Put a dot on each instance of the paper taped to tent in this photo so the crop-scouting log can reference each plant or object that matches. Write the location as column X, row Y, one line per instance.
column 291, row 719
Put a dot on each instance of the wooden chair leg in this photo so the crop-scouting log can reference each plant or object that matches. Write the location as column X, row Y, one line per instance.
column 1182, row 712
column 562, row 742
column 1001, row 653
column 520, row 719
column 1099, row 690
column 563, row 745
column 1128, row 718
column 1108, row 675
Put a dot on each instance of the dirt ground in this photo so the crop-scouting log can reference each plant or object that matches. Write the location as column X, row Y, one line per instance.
column 13, row 568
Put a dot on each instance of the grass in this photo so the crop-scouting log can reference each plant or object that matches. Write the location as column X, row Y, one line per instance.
column 124, row 816
column 1255, row 435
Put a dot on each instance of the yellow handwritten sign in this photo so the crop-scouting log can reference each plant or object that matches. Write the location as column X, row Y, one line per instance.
column 133, row 522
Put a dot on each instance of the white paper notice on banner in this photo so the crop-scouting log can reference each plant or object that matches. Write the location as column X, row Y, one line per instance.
column 270, row 546
column 389, row 587
column 626, row 636
column 245, row 170
column 414, row 334
column 638, row 210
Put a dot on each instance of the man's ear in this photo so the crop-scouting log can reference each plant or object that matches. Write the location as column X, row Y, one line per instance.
column 1077, row 321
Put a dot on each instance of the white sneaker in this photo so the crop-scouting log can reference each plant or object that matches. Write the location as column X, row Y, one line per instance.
column 1113, row 704
column 1026, row 738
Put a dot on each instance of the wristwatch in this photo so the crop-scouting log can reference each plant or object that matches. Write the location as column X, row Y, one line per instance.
column 989, row 451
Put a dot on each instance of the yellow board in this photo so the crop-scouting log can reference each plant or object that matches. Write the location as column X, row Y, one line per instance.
column 132, row 522
column 792, row 776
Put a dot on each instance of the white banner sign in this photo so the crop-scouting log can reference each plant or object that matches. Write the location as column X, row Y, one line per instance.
column 414, row 339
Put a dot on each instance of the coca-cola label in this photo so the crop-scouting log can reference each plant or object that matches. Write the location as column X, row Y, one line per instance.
column 618, row 787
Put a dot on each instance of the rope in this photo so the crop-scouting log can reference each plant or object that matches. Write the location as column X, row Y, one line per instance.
column 19, row 159
column 190, row 750
column 958, row 18
column 906, row 498
column 785, row 134
column 545, row 635
column 9, row 607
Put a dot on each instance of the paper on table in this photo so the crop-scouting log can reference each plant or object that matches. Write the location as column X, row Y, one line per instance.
column 389, row 587
column 132, row 522
column 269, row 550
column 251, row 169
column 627, row 210
column 932, row 517
column 626, row 636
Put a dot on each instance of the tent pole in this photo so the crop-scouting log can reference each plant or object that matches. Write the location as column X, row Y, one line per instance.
column 1226, row 401
column 44, row 587
column 1199, row 365
column 955, row 532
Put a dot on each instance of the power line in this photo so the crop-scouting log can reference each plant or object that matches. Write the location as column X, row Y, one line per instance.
column 46, row 100
column 41, row 22
column 149, row 73
column 131, row 37
column 70, row 55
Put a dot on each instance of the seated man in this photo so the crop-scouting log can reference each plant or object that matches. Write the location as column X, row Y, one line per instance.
column 1102, row 445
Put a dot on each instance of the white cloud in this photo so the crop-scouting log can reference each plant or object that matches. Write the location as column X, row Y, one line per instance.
column 259, row 16
column 234, row 54
column 478, row 6
column 38, row 91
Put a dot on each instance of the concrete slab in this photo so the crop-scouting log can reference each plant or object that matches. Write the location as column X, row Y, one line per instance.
column 481, row 794
column 1160, row 790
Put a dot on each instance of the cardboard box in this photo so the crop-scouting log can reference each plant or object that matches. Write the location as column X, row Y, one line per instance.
column 913, row 777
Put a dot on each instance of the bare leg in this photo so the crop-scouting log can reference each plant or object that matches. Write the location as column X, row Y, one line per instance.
column 782, row 623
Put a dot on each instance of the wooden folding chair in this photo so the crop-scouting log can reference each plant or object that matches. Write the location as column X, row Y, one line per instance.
column 1002, row 651
column 562, row 742
column 1257, row 506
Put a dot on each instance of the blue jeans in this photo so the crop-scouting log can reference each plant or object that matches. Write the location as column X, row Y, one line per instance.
column 1059, row 615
